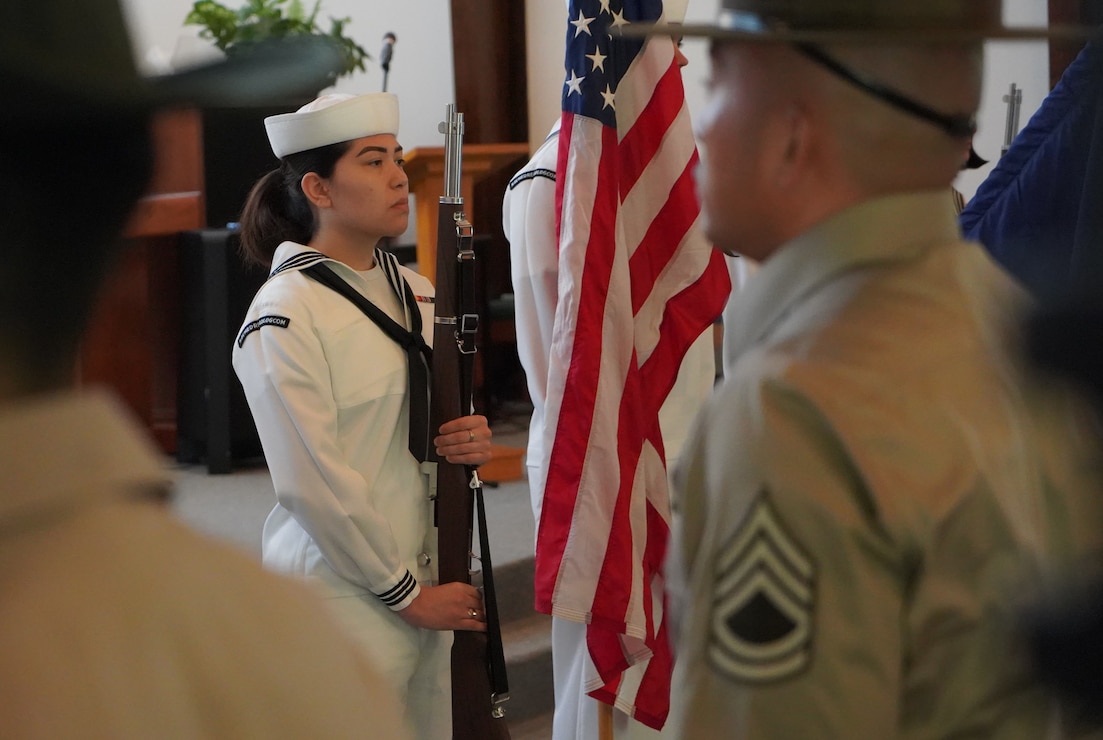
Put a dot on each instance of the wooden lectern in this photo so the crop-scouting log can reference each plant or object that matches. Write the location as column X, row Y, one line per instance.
column 425, row 168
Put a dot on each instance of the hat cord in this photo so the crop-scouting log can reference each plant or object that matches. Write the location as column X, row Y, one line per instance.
column 957, row 126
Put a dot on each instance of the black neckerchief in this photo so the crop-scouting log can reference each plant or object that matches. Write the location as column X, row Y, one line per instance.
column 418, row 353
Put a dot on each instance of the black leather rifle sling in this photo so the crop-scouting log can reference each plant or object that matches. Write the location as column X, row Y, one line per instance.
column 466, row 328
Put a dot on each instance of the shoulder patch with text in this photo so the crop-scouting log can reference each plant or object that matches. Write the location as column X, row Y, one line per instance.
column 763, row 601
column 521, row 177
column 281, row 321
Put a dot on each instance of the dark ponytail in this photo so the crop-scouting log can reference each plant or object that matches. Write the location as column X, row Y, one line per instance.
column 276, row 209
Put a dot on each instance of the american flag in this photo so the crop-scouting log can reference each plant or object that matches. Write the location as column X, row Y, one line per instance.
column 637, row 285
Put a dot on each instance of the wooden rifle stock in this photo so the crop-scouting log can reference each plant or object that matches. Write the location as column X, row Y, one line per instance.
column 478, row 665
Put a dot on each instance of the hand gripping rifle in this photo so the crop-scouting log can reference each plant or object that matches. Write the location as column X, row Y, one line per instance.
column 479, row 685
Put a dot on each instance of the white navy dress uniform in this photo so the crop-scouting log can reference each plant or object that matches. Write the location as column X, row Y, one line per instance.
column 321, row 378
column 328, row 391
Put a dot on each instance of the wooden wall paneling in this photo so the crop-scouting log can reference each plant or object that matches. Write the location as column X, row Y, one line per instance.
column 488, row 50
column 115, row 350
column 132, row 342
column 488, row 43
column 1065, row 12
column 164, row 333
column 178, row 143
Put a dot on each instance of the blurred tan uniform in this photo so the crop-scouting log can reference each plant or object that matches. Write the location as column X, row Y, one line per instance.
column 118, row 621
column 876, row 496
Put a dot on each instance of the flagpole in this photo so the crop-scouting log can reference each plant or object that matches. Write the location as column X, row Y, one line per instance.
column 604, row 721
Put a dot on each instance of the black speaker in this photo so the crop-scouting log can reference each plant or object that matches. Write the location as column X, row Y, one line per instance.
column 213, row 421
column 236, row 154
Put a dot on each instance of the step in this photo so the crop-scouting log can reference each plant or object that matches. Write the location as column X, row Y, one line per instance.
column 526, row 638
column 527, row 644
column 534, row 728
column 513, row 582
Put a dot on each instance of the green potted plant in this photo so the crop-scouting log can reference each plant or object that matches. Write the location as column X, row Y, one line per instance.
column 233, row 31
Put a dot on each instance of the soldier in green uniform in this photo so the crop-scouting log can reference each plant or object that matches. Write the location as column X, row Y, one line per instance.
column 877, row 487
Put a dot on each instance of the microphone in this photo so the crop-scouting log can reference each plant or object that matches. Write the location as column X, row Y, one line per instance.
column 385, row 55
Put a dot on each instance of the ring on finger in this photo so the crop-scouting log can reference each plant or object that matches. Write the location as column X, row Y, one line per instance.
column 470, row 435
column 472, row 613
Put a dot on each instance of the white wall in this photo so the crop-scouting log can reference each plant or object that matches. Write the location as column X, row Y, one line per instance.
column 545, row 42
column 1024, row 63
column 421, row 70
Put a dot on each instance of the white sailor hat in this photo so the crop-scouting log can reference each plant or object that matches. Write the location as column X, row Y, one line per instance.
column 859, row 21
column 332, row 119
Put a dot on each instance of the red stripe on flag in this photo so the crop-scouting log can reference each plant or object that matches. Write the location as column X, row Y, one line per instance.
column 696, row 306
column 664, row 236
column 616, row 577
column 645, row 390
column 566, row 129
column 641, row 142
column 652, row 700
column 571, row 442
column 604, row 647
column 686, row 312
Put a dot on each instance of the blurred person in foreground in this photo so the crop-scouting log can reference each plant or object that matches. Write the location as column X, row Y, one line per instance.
column 116, row 620
column 877, row 487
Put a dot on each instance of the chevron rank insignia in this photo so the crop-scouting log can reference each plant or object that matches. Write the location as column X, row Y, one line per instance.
column 762, row 617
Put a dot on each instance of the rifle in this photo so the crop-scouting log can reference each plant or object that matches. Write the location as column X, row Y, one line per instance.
column 1014, row 100
column 479, row 685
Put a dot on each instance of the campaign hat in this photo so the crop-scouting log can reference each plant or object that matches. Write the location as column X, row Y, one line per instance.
column 975, row 161
column 62, row 60
column 859, row 21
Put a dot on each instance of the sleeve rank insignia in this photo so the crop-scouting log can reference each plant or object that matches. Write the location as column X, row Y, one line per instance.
column 763, row 601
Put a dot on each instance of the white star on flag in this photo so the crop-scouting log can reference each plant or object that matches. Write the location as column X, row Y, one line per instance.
column 608, row 96
column 582, row 25
column 598, row 60
column 574, row 84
